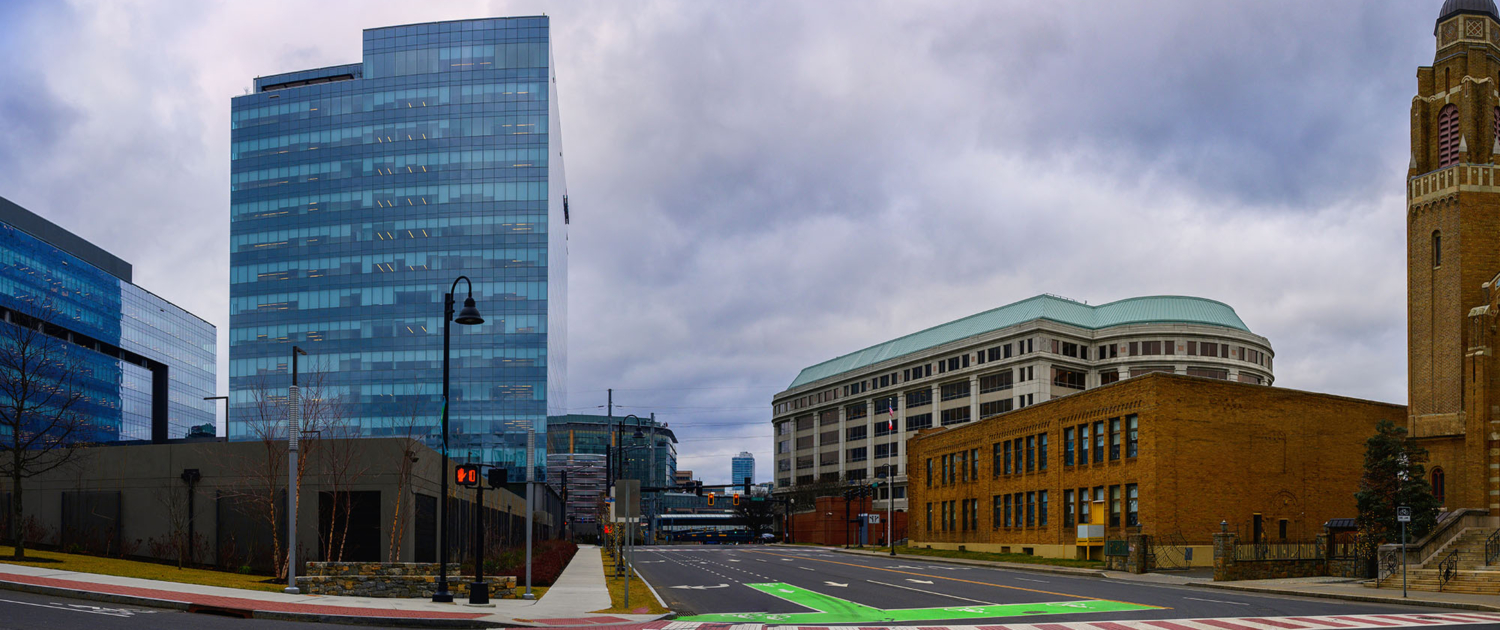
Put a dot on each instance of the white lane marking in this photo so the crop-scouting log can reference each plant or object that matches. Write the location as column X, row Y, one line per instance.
column 930, row 592
column 804, row 568
column 919, row 581
column 832, row 583
column 95, row 610
column 1217, row 601
column 1031, row 580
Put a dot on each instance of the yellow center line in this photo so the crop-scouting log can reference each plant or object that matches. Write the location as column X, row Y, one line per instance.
column 944, row 577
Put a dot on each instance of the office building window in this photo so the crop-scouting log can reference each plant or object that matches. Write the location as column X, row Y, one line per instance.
column 1132, row 506
column 996, row 382
column 1068, row 509
column 828, row 437
column 1083, row 444
column 1041, row 508
column 1007, row 351
column 1030, row 453
column 919, row 421
column 804, row 461
column 1114, row 506
column 883, row 405
column 1437, row 248
column 1109, row 376
column 1098, row 441
column 1114, row 439
column 929, row 475
column 1041, row 452
column 974, row 464
column 1132, row 435
column 886, row 426
column 963, row 470
column 855, row 474
column 1204, row 372
column 1006, row 449
column 995, row 464
column 955, row 416
column 805, row 441
column 918, row 398
column 830, row 458
column 1142, row 371
column 1031, row 509
column 1068, row 446
column 856, row 412
column 929, row 517
column 804, row 423
column 855, row 433
column 1005, row 500
column 995, row 512
column 1070, row 379
column 955, row 391
column 1085, row 507
column 995, row 407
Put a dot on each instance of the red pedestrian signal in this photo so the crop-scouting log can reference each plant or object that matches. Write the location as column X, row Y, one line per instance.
column 467, row 475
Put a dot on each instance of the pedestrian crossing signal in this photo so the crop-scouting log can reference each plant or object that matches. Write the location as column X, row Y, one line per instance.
column 467, row 475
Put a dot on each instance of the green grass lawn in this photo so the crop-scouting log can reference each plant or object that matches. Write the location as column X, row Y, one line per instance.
column 136, row 569
column 641, row 600
column 998, row 557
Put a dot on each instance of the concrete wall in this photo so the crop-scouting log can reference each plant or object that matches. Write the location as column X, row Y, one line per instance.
column 148, row 481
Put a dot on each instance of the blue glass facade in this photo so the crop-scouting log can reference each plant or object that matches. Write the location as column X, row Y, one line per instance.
column 360, row 192
column 742, row 466
column 124, row 337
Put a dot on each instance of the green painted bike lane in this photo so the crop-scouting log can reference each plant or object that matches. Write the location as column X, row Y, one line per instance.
column 834, row 610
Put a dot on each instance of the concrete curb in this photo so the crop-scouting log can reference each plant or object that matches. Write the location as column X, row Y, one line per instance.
column 1369, row 599
column 670, row 614
column 136, row 600
column 1015, row 566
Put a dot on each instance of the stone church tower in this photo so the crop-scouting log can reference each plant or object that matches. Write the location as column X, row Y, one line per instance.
column 1453, row 257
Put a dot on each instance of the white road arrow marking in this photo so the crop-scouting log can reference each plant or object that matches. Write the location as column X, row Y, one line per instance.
column 919, row 581
column 836, row 584
column 700, row 588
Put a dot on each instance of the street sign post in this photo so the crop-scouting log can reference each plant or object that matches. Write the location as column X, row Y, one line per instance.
column 1403, row 516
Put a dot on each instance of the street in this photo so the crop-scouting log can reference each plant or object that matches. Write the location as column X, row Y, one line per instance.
column 785, row 585
column 24, row 611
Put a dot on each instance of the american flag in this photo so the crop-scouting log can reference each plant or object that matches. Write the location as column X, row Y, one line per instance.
column 892, row 410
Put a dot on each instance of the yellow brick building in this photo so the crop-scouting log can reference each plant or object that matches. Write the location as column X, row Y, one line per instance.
column 1453, row 257
column 1163, row 454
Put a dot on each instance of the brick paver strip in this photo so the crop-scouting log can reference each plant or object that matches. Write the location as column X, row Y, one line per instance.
column 1273, row 622
column 237, row 602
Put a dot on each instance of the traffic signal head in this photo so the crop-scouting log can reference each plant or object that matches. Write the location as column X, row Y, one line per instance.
column 498, row 477
column 710, row 499
column 698, row 488
column 736, row 499
column 467, row 475
column 746, row 487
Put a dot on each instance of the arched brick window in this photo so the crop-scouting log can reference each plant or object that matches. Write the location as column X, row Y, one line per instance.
column 1437, row 248
column 1448, row 135
column 1438, row 480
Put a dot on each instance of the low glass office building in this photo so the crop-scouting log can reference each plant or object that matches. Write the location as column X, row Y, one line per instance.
column 145, row 365
column 360, row 192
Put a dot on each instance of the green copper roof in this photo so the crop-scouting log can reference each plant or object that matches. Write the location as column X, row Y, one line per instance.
column 1171, row 309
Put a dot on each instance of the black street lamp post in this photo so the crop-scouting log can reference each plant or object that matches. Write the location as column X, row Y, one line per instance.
column 469, row 316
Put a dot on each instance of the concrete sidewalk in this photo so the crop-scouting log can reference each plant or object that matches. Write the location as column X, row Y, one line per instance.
column 569, row 602
column 1321, row 587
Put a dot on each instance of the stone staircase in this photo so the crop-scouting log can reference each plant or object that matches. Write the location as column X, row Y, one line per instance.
column 1472, row 576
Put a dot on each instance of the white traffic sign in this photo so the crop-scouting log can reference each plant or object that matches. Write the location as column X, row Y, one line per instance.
column 1403, row 515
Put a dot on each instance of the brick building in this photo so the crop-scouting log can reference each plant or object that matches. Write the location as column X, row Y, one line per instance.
column 1163, row 454
column 1453, row 257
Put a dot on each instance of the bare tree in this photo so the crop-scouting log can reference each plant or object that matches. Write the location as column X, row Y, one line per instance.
column 40, row 405
column 339, row 455
column 174, row 505
column 262, row 475
column 411, row 433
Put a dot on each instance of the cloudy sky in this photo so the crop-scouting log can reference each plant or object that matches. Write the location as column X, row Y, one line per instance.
column 760, row 186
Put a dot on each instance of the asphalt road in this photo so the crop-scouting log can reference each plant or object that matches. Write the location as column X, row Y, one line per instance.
column 24, row 611
column 702, row 582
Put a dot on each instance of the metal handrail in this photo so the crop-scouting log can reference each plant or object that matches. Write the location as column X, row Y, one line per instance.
column 1447, row 569
column 1388, row 566
column 1492, row 548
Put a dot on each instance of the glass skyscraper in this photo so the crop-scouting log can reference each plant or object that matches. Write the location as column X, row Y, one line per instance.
column 742, row 466
column 360, row 192
column 145, row 365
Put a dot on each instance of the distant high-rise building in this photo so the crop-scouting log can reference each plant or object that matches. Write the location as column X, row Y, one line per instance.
column 142, row 364
column 742, row 466
column 359, row 193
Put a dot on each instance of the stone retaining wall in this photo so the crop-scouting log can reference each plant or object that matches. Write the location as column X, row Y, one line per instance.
column 391, row 579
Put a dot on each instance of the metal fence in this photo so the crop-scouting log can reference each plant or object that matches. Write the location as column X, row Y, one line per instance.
column 1284, row 550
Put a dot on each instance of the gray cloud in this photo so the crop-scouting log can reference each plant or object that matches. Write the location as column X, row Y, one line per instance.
column 761, row 186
